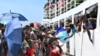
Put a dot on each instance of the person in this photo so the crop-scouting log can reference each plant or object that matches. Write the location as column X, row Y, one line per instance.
column 56, row 49
column 87, row 26
column 3, row 43
column 79, row 24
column 30, row 52
column 72, row 28
column 62, row 32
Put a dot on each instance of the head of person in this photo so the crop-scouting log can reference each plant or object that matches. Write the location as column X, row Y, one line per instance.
column 84, row 18
column 31, row 25
column 69, row 26
column 2, row 28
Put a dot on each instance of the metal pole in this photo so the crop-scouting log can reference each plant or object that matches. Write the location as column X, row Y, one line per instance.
column 81, row 44
column 74, row 47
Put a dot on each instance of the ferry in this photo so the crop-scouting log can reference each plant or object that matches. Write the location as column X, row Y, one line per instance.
column 80, row 44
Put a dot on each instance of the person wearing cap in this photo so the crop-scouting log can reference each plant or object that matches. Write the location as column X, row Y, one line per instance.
column 71, row 27
column 53, row 44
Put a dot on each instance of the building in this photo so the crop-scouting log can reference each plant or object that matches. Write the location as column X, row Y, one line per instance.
column 54, row 8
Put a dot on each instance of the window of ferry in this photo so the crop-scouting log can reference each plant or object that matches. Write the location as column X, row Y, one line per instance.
column 91, row 17
column 51, row 25
column 56, row 25
column 69, row 0
column 69, row 19
column 62, row 22
column 79, row 2
column 78, row 20
column 68, row 6
column 72, row 4
column 90, row 21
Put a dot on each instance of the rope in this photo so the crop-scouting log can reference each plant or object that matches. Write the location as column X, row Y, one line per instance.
column 81, row 44
column 93, row 36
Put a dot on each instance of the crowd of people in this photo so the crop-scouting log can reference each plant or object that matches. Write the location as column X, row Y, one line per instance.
column 37, row 41
column 43, row 41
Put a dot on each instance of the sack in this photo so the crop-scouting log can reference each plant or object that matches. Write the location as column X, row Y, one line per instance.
column 25, row 43
column 30, row 42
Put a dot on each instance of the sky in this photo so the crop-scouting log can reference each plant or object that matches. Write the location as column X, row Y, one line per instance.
column 31, row 9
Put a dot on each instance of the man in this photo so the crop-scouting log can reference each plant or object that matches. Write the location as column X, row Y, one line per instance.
column 72, row 28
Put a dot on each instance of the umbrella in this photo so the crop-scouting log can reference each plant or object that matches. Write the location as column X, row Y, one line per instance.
column 36, row 24
column 13, row 34
column 12, row 15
